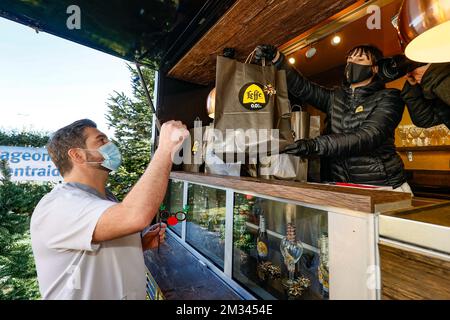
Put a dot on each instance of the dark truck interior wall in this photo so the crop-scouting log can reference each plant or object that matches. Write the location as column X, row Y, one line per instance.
column 183, row 101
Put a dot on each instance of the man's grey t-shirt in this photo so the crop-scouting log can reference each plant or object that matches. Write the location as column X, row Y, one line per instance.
column 68, row 265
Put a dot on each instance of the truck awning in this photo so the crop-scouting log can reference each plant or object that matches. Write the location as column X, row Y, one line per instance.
column 146, row 31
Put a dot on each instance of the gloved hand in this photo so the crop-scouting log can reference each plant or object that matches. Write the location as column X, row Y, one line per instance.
column 302, row 147
column 265, row 51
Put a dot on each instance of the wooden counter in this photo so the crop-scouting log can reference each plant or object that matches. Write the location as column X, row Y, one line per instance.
column 437, row 213
column 363, row 200
column 426, row 225
column 414, row 251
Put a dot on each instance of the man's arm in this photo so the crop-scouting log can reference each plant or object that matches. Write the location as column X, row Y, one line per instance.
column 141, row 204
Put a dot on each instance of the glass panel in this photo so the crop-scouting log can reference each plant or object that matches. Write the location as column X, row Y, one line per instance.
column 205, row 223
column 174, row 202
column 258, row 262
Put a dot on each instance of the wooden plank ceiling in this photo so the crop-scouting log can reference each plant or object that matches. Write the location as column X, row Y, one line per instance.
column 249, row 23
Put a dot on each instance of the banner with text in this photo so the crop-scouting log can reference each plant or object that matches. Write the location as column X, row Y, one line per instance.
column 30, row 164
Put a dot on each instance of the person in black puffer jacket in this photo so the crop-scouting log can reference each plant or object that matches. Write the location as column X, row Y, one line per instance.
column 362, row 115
column 427, row 95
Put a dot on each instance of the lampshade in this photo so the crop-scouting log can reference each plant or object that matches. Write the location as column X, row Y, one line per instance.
column 211, row 103
column 424, row 30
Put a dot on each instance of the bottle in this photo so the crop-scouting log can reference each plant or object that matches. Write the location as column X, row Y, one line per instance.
column 262, row 241
column 322, row 272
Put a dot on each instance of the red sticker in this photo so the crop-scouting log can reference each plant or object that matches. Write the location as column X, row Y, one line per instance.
column 172, row 221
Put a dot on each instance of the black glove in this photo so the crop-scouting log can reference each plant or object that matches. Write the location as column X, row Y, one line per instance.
column 265, row 51
column 302, row 147
column 395, row 67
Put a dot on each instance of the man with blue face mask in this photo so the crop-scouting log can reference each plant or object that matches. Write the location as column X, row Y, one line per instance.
column 86, row 244
column 362, row 116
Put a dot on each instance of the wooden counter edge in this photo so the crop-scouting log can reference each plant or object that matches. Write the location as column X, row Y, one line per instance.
column 368, row 201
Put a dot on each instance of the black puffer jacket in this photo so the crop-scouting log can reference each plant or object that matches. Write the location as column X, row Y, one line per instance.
column 360, row 146
column 429, row 102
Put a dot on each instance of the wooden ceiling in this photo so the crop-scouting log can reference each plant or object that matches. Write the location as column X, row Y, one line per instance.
column 249, row 23
column 356, row 33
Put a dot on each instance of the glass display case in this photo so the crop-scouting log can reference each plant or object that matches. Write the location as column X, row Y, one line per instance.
column 174, row 202
column 280, row 240
column 277, row 250
column 261, row 233
column 205, row 222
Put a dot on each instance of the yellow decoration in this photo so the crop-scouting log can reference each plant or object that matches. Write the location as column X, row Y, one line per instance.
column 359, row 109
column 195, row 147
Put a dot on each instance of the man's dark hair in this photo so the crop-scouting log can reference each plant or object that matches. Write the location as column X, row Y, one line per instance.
column 370, row 51
column 71, row 136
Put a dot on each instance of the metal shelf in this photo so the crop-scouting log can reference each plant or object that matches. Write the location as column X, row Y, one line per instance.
column 425, row 148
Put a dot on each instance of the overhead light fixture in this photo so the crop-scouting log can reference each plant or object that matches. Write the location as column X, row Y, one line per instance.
column 211, row 103
column 424, row 29
column 311, row 52
column 291, row 60
column 336, row 40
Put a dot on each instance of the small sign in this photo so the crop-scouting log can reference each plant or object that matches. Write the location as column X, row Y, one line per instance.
column 253, row 97
column 30, row 164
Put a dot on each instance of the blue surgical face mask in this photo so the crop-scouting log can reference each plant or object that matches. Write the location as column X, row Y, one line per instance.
column 111, row 155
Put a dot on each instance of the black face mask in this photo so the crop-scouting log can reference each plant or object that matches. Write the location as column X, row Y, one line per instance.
column 356, row 73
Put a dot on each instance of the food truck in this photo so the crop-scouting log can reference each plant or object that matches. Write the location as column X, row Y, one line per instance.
column 247, row 236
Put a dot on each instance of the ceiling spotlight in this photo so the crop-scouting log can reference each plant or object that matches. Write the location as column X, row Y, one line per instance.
column 336, row 40
column 291, row 60
column 311, row 52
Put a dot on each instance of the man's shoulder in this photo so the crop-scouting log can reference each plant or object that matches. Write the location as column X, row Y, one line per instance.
column 436, row 73
column 61, row 196
column 60, row 191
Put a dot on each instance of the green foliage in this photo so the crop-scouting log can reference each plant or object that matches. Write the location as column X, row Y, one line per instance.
column 131, row 119
column 243, row 239
column 23, row 138
column 17, row 269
